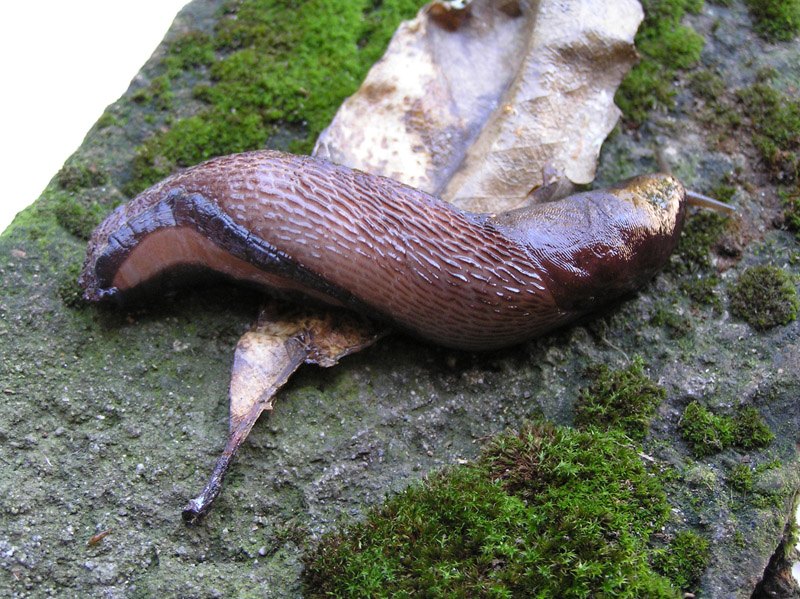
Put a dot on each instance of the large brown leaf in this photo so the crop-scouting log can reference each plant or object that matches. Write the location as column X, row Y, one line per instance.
column 472, row 105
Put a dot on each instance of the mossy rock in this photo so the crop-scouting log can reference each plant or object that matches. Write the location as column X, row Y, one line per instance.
column 113, row 417
column 545, row 511
column 708, row 433
column 764, row 296
column 776, row 19
column 624, row 399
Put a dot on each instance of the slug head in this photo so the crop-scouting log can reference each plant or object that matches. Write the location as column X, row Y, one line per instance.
column 661, row 197
column 599, row 245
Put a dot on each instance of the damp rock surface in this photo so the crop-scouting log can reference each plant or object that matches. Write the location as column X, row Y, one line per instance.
column 113, row 417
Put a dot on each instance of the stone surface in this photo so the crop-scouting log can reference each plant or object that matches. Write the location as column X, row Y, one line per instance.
column 113, row 418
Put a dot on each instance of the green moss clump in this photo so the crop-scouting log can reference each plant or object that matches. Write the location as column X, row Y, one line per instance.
column 74, row 177
column 191, row 50
column 106, row 120
column 765, row 297
column 547, row 512
column 791, row 214
column 775, row 120
column 724, row 193
column 685, row 560
column 749, row 430
column 619, row 399
column 776, row 20
column 666, row 46
column 70, row 204
column 741, row 478
column 678, row 325
column 79, row 217
column 158, row 94
column 272, row 69
column 707, row 85
column 771, row 465
column 708, row 433
column 693, row 259
column 716, row 107
column 702, row 289
column 700, row 235
column 68, row 290
column 703, row 431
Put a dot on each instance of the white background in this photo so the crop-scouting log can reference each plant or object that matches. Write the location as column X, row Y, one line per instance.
column 61, row 63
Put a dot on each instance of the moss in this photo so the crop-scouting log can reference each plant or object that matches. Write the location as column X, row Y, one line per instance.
column 74, row 177
column 161, row 93
column 702, row 289
column 549, row 512
column 190, row 50
column 685, row 560
column 765, row 297
column 716, row 107
column 703, row 431
column 724, row 193
column 72, row 207
column 739, row 540
column 741, row 478
column 701, row 233
column 78, row 216
column 708, row 433
column 792, row 533
column 678, row 325
column 775, row 122
column 791, row 214
column 106, row 120
column 666, row 46
column 68, row 290
column 707, row 85
column 140, row 96
column 776, row 20
column 771, row 465
column 749, row 430
column 270, row 68
column 158, row 94
column 767, row 499
column 619, row 399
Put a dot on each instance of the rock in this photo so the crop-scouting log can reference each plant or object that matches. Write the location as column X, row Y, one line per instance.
column 401, row 408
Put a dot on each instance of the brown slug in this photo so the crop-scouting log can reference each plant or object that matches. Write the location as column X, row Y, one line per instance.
column 471, row 281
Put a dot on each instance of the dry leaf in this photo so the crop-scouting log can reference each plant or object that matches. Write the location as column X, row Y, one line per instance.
column 472, row 107
column 283, row 338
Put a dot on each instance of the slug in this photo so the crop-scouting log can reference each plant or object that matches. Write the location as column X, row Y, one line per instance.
column 296, row 224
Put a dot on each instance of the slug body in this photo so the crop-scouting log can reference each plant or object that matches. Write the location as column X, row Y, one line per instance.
column 472, row 281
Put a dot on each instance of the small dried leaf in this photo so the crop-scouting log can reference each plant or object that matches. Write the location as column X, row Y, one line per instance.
column 282, row 339
column 266, row 356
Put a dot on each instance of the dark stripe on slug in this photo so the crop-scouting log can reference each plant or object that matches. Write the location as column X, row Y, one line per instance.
column 204, row 215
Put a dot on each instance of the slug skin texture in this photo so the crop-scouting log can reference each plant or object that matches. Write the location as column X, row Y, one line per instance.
column 301, row 225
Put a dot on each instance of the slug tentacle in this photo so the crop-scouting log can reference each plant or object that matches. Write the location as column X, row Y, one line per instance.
column 301, row 224
column 698, row 199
